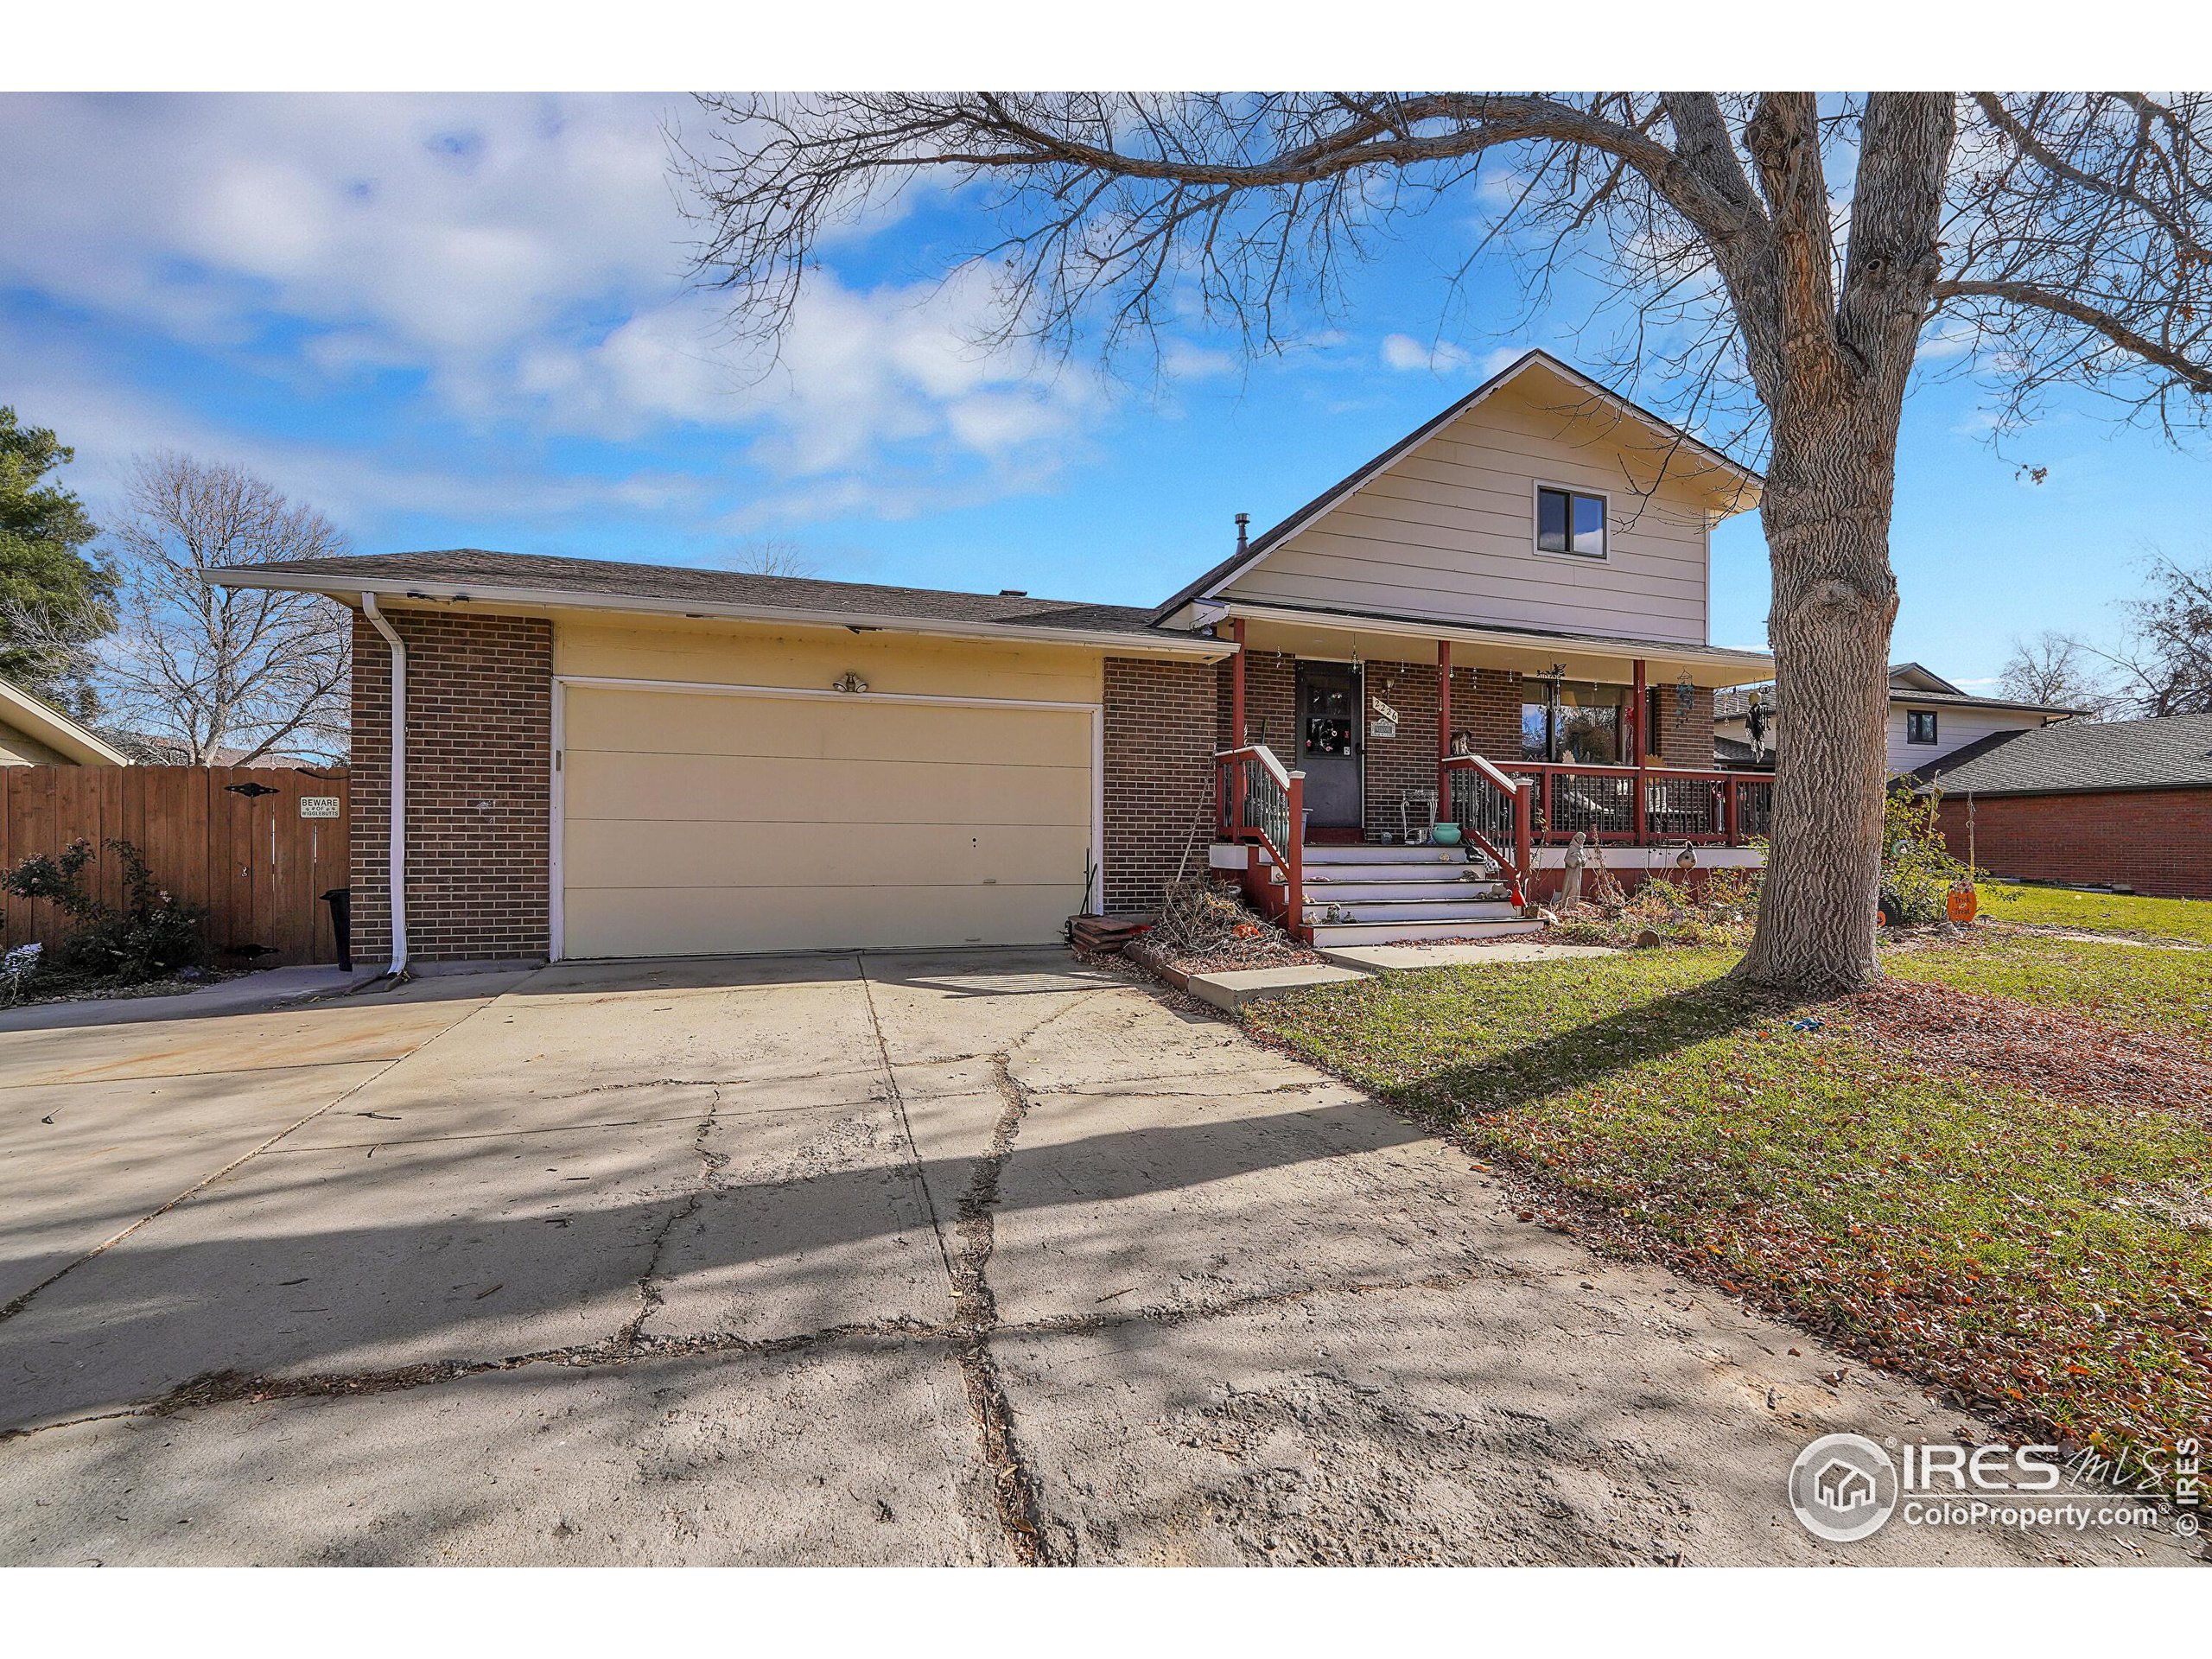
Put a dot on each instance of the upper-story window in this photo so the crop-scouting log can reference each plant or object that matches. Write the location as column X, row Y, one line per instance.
column 1920, row 725
column 1570, row 521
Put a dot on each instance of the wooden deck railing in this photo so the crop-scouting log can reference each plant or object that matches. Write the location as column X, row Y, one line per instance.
column 1493, row 811
column 1263, row 804
column 1646, row 806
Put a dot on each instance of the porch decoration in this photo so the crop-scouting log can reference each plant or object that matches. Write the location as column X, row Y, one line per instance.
column 1685, row 693
column 1385, row 723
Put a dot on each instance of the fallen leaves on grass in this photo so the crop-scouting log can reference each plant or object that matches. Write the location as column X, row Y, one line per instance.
column 1979, row 1193
column 2044, row 1049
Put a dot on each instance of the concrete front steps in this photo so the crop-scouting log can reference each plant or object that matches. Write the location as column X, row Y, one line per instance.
column 1397, row 895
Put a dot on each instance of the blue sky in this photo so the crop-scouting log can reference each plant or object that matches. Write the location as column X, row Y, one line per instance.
column 464, row 321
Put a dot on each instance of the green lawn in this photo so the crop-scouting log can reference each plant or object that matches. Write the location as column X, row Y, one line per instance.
column 2036, row 1254
column 2168, row 991
column 2189, row 919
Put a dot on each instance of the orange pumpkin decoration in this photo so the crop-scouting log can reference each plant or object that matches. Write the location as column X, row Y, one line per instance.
column 1962, row 903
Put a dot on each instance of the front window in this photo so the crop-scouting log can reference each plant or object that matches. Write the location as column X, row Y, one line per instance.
column 1920, row 725
column 1570, row 521
column 1583, row 728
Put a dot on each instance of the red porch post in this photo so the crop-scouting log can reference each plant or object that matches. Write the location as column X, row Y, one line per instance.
column 1443, row 729
column 1295, row 856
column 1636, row 750
column 1523, row 859
column 1236, row 730
column 1236, row 685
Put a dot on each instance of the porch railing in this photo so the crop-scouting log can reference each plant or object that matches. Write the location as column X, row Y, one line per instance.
column 1646, row 806
column 1263, row 804
column 1493, row 811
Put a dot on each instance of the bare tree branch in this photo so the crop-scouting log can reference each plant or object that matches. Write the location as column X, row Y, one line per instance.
column 198, row 672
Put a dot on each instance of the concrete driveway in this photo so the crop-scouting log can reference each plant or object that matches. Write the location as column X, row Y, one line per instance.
column 978, row 1257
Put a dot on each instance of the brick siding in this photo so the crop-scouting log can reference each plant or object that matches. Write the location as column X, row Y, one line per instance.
column 2156, row 840
column 1161, row 723
column 1407, row 761
column 480, row 740
column 1684, row 737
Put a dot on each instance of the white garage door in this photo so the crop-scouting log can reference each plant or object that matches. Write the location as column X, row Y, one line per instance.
column 698, row 823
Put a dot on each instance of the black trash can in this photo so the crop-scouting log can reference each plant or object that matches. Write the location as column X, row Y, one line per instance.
column 340, row 900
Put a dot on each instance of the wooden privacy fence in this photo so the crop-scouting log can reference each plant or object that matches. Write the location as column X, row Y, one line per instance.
column 234, row 839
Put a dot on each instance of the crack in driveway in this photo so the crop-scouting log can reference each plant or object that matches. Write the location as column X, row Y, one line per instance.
column 976, row 1316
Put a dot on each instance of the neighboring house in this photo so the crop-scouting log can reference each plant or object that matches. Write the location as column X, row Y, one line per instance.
column 36, row 733
column 2124, row 802
column 168, row 752
column 632, row 759
column 1929, row 719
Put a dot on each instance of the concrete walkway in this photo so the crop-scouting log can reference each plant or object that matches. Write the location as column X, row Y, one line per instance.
column 978, row 1257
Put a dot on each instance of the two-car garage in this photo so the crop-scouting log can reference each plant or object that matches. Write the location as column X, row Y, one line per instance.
column 695, row 818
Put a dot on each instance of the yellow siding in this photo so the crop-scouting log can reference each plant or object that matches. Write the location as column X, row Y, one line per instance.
column 811, row 659
column 1448, row 531
column 20, row 748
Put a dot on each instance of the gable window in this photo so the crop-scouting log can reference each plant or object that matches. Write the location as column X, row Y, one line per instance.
column 1920, row 725
column 1570, row 521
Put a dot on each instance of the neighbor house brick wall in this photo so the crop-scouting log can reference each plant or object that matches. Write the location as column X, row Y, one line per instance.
column 2156, row 840
column 1161, row 726
column 480, row 741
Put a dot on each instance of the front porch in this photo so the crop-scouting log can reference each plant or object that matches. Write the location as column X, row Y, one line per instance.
column 1375, row 785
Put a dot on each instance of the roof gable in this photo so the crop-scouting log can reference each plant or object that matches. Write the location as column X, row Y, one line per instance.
column 1538, row 372
column 57, row 731
column 1912, row 677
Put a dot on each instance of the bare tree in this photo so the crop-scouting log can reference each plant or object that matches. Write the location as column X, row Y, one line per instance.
column 2057, row 671
column 2061, row 239
column 2166, row 664
column 770, row 556
column 198, row 668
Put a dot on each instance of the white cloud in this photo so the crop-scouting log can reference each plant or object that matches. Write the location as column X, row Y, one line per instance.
column 1404, row 353
column 521, row 257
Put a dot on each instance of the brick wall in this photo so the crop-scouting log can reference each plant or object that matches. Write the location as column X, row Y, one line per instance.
column 1684, row 737
column 1485, row 707
column 1161, row 726
column 480, row 738
column 2156, row 840
column 1407, row 760
column 1270, row 702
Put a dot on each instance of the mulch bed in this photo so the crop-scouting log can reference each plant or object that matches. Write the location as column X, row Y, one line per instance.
column 2051, row 1052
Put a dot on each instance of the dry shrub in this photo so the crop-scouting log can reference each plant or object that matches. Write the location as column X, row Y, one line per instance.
column 1718, row 908
column 1203, row 925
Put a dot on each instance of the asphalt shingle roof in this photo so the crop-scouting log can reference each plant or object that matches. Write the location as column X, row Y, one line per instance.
column 2174, row 753
column 1734, row 704
column 466, row 566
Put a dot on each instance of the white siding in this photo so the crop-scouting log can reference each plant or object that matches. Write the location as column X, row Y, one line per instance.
column 1449, row 533
column 1954, row 729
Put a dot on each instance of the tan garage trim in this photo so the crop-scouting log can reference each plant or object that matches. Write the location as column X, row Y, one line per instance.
column 771, row 853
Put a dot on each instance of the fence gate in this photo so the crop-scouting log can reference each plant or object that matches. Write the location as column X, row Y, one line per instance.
column 258, row 846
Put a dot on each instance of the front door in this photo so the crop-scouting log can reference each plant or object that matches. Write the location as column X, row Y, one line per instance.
column 1329, row 743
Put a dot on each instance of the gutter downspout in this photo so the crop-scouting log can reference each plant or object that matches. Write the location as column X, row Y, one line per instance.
column 398, row 858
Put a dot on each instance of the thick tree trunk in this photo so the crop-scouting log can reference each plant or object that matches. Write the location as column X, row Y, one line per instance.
column 1826, row 511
